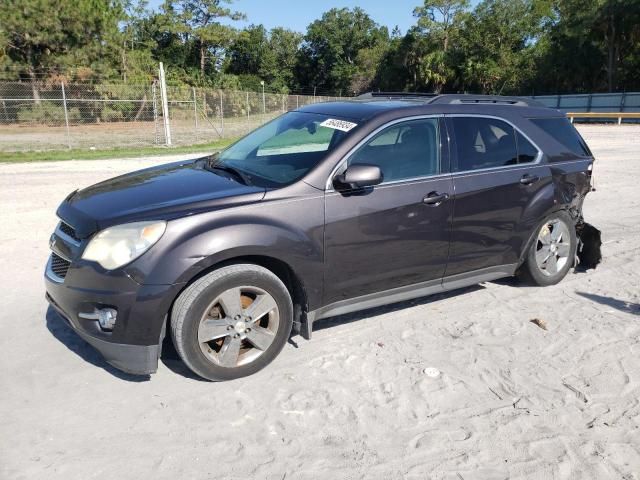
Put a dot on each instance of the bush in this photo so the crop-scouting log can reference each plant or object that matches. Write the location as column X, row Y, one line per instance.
column 48, row 113
column 110, row 114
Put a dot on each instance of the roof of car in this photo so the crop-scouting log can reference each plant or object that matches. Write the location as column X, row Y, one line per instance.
column 366, row 106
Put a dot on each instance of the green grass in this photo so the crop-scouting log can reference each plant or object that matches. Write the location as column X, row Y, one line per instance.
column 124, row 152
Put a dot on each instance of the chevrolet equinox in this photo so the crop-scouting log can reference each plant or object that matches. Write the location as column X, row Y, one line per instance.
column 329, row 209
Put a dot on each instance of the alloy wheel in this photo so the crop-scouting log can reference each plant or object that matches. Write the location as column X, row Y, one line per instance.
column 238, row 326
column 553, row 247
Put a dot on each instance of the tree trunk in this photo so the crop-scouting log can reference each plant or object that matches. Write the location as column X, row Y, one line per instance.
column 124, row 61
column 32, row 77
column 203, row 52
column 141, row 109
column 611, row 54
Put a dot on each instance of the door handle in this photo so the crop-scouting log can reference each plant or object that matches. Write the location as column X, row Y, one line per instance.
column 434, row 199
column 528, row 179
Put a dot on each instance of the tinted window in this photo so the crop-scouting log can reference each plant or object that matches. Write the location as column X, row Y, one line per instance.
column 526, row 151
column 312, row 138
column 283, row 150
column 561, row 129
column 406, row 150
column 483, row 143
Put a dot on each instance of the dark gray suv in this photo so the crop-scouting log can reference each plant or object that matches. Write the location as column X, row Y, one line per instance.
column 329, row 209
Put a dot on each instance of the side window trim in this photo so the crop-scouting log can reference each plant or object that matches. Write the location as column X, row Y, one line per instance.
column 443, row 150
column 454, row 153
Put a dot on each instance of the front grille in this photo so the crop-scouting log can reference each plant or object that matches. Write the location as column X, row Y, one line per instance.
column 59, row 265
column 68, row 230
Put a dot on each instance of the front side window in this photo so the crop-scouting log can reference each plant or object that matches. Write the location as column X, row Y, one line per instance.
column 285, row 149
column 406, row 150
column 483, row 143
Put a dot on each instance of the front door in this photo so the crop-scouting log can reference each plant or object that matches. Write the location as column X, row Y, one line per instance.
column 396, row 233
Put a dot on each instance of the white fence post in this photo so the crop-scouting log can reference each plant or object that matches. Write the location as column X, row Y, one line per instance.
column 204, row 104
column 155, row 112
column 165, row 106
column 195, row 111
column 66, row 115
column 221, row 115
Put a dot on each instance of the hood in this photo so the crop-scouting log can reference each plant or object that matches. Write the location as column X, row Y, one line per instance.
column 158, row 193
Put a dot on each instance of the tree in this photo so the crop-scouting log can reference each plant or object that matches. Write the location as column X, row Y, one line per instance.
column 266, row 56
column 328, row 58
column 496, row 46
column 137, row 43
column 438, row 18
column 45, row 38
column 279, row 64
column 591, row 46
column 201, row 21
column 437, row 23
column 496, row 43
column 247, row 51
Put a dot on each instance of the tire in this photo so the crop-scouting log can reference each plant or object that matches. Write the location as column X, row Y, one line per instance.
column 229, row 305
column 559, row 230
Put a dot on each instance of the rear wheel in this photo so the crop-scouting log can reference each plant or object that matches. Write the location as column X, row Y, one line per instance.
column 552, row 252
column 232, row 322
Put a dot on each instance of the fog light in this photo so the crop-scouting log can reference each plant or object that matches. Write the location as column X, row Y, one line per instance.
column 106, row 317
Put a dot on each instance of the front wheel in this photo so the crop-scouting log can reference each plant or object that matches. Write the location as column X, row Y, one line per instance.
column 552, row 252
column 232, row 322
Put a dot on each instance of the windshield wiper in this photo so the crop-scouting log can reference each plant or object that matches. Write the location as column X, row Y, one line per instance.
column 243, row 177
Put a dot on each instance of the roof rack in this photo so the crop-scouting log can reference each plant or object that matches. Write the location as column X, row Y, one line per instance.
column 415, row 95
column 458, row 99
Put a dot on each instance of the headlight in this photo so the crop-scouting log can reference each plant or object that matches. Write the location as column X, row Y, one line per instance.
column 119, row 245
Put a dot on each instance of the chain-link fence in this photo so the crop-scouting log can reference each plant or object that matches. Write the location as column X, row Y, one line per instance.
column 54, row 115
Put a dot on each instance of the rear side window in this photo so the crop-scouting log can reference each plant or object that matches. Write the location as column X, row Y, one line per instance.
column 527, row 153
column 483, row 143
column 561, row 129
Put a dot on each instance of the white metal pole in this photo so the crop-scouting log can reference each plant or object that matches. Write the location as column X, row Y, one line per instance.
column 221, row 114
column 204, row 103
column 66, row 114
column 264, row 104
column 195, row 111
column 155, row 112
column 165, row 106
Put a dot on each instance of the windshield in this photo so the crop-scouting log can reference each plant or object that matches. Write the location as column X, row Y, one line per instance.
column 283, row 150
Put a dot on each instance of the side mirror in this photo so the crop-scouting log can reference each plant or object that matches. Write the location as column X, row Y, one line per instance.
column 358, row 176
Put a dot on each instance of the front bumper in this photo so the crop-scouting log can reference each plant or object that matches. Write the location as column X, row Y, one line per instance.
column 134, row 359
column 134, row 345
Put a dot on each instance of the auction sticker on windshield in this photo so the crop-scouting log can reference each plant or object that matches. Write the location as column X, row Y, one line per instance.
column 338, row 124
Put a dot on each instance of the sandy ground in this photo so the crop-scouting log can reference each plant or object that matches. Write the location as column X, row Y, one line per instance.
column 512, row 400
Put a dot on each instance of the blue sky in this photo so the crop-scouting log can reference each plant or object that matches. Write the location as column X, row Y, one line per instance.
column 296, row 15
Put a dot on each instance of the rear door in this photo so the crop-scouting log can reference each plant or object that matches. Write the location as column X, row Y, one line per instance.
column 497, row 175
column 393, row 234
